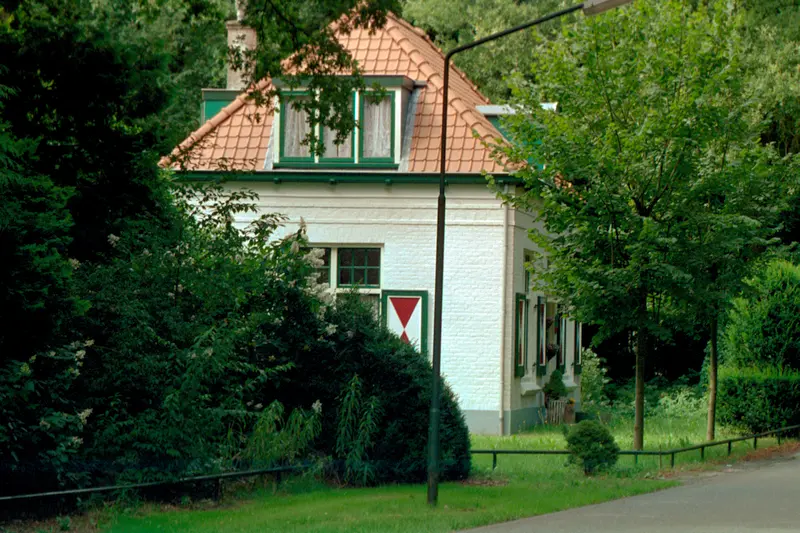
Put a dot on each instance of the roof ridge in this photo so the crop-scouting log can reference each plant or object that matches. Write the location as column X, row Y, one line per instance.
column 471, row 116
column 422, row 33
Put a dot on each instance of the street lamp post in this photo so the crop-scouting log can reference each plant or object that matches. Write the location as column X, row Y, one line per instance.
column 590, row 7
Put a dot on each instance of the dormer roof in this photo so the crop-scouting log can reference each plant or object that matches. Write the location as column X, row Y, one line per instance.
column 238, row 137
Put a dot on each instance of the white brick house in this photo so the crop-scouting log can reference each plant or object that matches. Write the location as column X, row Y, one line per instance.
column 371, row 204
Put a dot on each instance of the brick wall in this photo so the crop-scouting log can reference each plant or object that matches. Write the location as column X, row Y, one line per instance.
column 401, row 219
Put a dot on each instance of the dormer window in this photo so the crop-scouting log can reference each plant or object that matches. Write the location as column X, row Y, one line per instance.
column 375, row 143
column 377, row 127
column 295, row 128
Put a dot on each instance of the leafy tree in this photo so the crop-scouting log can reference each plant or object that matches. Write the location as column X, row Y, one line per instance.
column 93, row 100
column 192, row 37
column 730, row 214
column 632, row 157
column 490, row 66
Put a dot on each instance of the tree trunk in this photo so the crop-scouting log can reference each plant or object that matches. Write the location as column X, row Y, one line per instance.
column 712, row 383
column 642, row 347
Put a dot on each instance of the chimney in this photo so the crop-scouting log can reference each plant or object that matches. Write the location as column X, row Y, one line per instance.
column 241, row 37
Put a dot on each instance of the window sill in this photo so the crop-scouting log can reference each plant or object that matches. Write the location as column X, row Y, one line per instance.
column 358, row 289
column 330, row 165
column 529, row 386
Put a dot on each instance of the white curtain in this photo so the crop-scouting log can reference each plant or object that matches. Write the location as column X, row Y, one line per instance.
column 296, row 129
column 376, row 125
column 338, row 151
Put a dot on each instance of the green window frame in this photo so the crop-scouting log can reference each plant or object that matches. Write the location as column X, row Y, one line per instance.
column 286, row 98
column 576, row 358
column 323, row 159
column 541, row 336
column 354, row 264
column 375, row 160
column 520, row 334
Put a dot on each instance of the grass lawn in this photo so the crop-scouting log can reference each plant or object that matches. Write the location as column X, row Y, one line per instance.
column 521, row 486
column 659, row 434
column 393, row 508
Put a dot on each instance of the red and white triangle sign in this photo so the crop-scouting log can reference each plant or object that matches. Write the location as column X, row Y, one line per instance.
column 404, row 317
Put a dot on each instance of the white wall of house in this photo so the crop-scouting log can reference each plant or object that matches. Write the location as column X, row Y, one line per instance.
column 401, row 220
column 482, row 239
column 523, row 398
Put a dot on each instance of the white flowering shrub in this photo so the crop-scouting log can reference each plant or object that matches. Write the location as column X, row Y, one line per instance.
column 41, row 430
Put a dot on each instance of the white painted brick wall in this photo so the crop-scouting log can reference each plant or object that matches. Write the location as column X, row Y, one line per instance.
column 402, row 218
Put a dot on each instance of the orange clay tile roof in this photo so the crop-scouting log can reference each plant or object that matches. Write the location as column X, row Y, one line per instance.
column 237, row 137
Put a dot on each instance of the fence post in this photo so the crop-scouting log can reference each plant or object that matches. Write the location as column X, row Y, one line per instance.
column 660, row 461
column 494, row 461
column 779, row 437
column 730, row 445
column 636, row 459
column 755, row 443
column 702, row 452
column 672, row 459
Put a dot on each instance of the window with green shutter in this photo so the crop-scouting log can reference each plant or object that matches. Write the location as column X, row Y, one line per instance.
column 520, row 335
column 541, row 336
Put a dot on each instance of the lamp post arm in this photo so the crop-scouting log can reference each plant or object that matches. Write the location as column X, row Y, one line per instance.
column 590, row 7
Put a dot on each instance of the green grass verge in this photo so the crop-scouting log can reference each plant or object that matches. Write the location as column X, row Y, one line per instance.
column 521, row 486
column 392, row 508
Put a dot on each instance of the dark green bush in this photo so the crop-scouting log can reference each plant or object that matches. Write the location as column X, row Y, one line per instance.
column 187, row 327
column 758, row 400
column 390, row 371
column 763, row 329
column 592, row 446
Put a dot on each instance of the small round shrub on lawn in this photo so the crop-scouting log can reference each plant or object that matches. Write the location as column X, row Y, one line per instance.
column 592, row 446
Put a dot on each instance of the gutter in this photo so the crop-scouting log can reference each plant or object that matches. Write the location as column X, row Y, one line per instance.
column 503, row 295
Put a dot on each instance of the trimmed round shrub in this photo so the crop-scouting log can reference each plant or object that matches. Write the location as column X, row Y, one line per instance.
column 758, row 400
column 592, row 446
column 763, row 329
column 393, row 375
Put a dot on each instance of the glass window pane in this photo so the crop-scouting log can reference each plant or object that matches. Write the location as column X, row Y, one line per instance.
column 336, row 151
column 374, row 257
column 345, row 277
column 376, row 126
column 359, row 277
column 373, row 276
column 359, row 257
column 295, row 129
column 345, row 257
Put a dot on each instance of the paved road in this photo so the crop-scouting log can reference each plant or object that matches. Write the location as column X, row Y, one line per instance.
column 762, row 499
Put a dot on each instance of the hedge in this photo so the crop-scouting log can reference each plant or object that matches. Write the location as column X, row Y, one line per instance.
column 758, row 400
